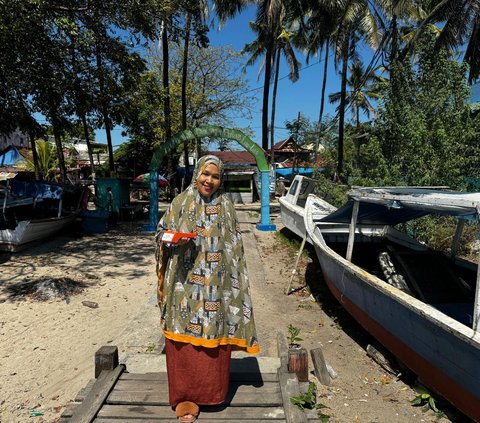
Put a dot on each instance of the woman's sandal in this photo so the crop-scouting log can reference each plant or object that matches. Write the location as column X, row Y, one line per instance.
column 187, row 411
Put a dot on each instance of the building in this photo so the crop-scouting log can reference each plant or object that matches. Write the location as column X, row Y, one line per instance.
column 16, row 139
column 291, row 159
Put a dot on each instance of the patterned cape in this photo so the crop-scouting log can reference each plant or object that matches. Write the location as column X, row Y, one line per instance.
column 203, row 288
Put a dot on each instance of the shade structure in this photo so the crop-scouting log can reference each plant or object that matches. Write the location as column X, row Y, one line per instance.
column 145, row 179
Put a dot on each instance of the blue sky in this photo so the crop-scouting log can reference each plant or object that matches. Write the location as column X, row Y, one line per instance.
column 292, row 98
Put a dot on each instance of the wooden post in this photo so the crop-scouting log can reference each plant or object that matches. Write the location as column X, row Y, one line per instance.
column 456, row 238
column 282, row 348
column 351, row 234
column 298, row 363
column 320, row 367
column 106, row 358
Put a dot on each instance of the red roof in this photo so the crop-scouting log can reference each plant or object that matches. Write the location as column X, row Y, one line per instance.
column 235, row 157
column 278, row 145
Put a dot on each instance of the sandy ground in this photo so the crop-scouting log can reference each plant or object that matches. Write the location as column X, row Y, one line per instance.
column 107, row 280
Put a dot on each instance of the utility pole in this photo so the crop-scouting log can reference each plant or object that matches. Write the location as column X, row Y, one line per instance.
column 297, row 129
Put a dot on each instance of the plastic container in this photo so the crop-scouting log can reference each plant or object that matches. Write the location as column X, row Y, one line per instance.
column 95, row 221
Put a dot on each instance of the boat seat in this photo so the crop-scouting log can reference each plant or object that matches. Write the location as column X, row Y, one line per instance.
column 391, row 275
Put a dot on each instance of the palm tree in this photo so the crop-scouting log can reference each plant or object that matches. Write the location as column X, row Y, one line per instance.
column 281, row 46
column 357, row 23
column 358, row 98
column 461, row 26
column 361, row 92
column 317, row 21
column 267, row 25
column 47, row 159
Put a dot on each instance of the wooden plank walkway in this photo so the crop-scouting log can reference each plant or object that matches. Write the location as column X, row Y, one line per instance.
column 253, row 396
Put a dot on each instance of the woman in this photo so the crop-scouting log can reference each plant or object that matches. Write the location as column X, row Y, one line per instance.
column 204, row 298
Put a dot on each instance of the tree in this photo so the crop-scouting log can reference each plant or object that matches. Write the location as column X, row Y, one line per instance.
column 47, row 160
column 363, row 90
column 281, row 46
column 357, row 22
column 317, row 22
column 358, row 98
column 50, row 49
column 424, row 128
column 215, row 92
column 460, row 26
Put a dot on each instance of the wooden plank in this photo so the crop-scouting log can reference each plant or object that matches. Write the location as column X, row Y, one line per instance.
column 282, row 348
column 234, row 377
column 320, row 367
column 88, row 409
column 238, row 395
column 173, row 420
column 84, row 391
column 290, row 388
column 67, row 412
column 156, row 385
column 298, row 363
column 207, row 414
column 351, row 232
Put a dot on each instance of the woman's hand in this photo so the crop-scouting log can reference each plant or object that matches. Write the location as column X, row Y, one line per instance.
column 181, row 241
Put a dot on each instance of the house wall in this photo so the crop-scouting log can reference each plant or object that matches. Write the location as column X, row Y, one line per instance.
column 16, row 138
column 240, row 186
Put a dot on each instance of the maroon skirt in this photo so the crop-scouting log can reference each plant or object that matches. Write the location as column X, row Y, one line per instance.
column 197, row 374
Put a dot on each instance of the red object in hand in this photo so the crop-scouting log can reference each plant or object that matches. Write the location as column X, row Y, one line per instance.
column 173, row 237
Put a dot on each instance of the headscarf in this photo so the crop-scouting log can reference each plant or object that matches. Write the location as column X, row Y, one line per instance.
column 202, row 163
column 204, row 293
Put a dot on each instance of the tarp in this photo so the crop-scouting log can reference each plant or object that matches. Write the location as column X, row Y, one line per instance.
column 36, row 189
column 288, row 171
column 11, row 157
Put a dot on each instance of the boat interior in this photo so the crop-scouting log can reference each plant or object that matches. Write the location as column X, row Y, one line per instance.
column 430, row 276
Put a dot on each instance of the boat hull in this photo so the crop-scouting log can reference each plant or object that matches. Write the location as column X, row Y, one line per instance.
column 442, row 352
column 292, row 217
column 29, row 231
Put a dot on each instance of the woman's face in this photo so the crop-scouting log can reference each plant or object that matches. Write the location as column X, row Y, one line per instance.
column 208, row 181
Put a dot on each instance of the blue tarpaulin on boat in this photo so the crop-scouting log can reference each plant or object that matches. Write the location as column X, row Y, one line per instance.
column 36, row 189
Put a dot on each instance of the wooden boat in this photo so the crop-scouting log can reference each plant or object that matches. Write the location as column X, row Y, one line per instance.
column 35, row 210
column 421, row 305
column 292, row 205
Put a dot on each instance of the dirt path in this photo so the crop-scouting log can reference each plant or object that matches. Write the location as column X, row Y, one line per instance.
column 47, row 349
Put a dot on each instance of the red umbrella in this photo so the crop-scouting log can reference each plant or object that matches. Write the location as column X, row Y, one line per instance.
column 144, row 178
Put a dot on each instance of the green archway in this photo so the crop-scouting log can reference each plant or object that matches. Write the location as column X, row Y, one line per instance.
column 217, row 132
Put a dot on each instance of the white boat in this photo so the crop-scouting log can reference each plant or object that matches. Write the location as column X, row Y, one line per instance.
column 34, row 210
column 292, row 205
column 421, row 305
